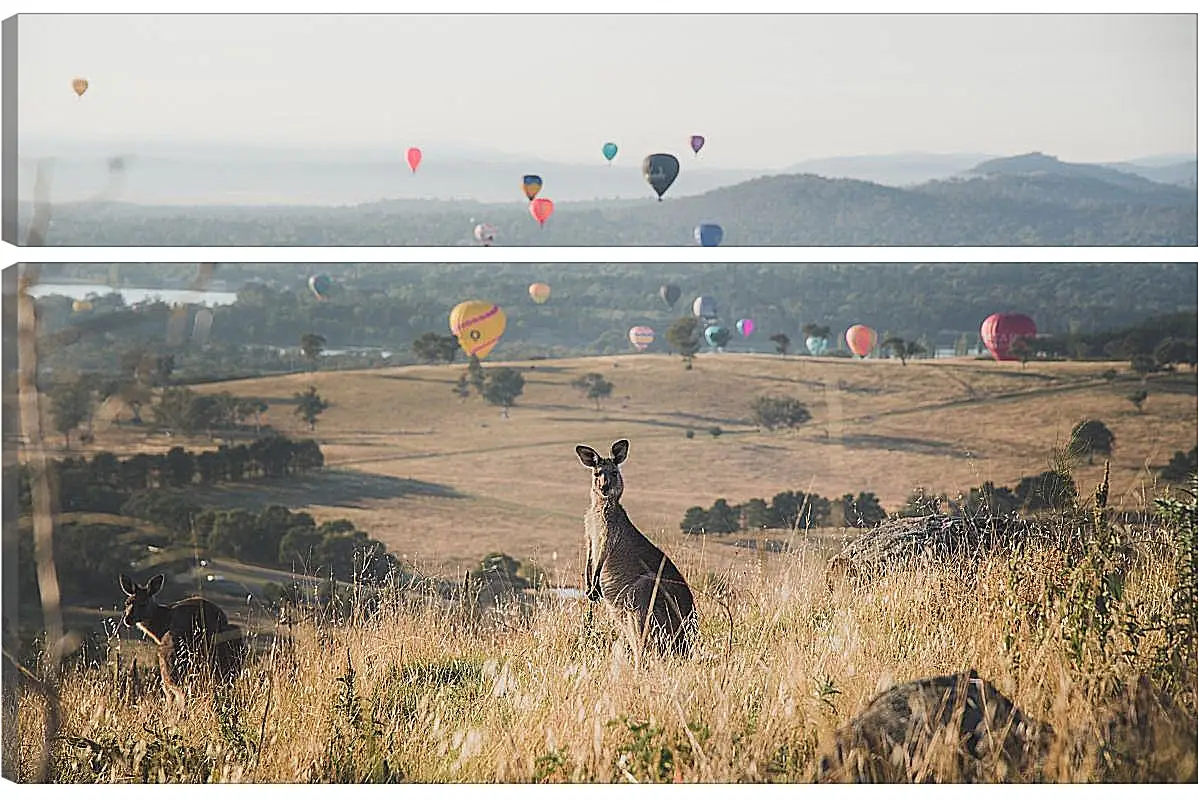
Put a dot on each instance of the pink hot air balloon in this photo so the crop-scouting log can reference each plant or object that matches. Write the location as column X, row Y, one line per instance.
column 641, row 337
column 414, row 156
column 541, row 209
column 1000, row 331
column 861, row 339
column 745, row 326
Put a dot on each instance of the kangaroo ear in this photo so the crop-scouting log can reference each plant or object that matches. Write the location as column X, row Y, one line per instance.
column 127, row 585
column 619, row 450
column 155, row 584
column 587, row 456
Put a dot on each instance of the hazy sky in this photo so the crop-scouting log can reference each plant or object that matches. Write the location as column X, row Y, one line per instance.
column 766, row 91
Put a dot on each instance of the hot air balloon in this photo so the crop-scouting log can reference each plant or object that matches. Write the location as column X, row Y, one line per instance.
column 641, row 337
column 709, row 234
column 202, row 327
column 414, row 156
column 485, row 233
column 697, row 143
column 478, row 326
column 320, row 285
column 670, row 293
column 1000, row 331
column 79, row 85
column 861, row 339
column 539, row 292
column 81, row 305
column 610, row 150
column 745, row 327
column 817, row 345
column 532, row 186
column 660, row 169
column 704, row 307
column 541, row 209
column 716, row 335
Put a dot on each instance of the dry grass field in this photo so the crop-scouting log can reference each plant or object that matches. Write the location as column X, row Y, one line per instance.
column 442, row 482
column 418, row 691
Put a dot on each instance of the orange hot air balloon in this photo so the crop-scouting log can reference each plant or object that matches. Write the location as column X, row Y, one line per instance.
column 541, row 209
column 414, row 156
column 861, row 339
column 79, row 85
column 539, row 292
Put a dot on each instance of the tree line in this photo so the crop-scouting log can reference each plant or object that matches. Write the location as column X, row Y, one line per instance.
column 591, row 310
column 106, row 482
column 798, row 510
column 787, row 510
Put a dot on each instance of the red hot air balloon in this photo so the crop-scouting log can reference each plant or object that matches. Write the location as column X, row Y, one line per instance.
column 541, row 209
column 861, row 339
column 414, row 156
column 1000, row 331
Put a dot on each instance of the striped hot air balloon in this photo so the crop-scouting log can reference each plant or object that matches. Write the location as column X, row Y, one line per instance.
column 641, row 337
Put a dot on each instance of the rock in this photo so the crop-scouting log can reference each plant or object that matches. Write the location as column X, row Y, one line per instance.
column 953, row 728
column 903, row 542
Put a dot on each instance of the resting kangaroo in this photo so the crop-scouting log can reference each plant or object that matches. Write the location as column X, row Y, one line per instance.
column 628, row 571
column 194, row 636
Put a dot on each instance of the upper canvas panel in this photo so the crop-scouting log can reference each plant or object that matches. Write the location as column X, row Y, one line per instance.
column 751, row 130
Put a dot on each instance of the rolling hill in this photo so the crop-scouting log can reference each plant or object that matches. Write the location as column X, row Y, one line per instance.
column 442, row 481
column 1027, row 200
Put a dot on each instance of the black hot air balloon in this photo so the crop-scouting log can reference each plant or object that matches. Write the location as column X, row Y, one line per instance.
column 660, row 170
column 670, row 293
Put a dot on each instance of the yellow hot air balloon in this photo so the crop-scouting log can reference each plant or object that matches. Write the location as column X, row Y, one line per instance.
column 478, row 326
column 81, row 305
column 79, row 85
column 539, row 292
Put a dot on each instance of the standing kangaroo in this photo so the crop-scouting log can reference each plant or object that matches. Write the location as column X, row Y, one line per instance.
column 194, row 636
column 626, row 570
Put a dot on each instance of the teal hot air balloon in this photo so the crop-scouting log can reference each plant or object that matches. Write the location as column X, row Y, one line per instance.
column 717, row 335
column 660, row 170
column 610, row 150
column 320, row 285
column 817, row 345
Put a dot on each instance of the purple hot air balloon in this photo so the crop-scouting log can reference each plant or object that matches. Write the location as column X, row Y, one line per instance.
column 697, row 143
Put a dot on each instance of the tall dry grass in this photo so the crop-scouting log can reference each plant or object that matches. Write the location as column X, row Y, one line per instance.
column 416, row 692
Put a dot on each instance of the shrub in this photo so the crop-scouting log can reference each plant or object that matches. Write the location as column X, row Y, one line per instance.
column 779, row 412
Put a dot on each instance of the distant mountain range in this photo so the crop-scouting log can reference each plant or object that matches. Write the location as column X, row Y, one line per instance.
column 1126, row 174
column 157, row 174
column 1025, row 200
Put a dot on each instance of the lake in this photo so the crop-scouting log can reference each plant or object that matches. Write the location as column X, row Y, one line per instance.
column 133, row 296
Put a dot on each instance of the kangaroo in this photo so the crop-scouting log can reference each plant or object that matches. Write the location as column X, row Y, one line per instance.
column 194, row 636
column 626, row 570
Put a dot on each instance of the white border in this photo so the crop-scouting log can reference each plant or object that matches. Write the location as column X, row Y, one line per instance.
column 602, row 255
column 603, row 9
